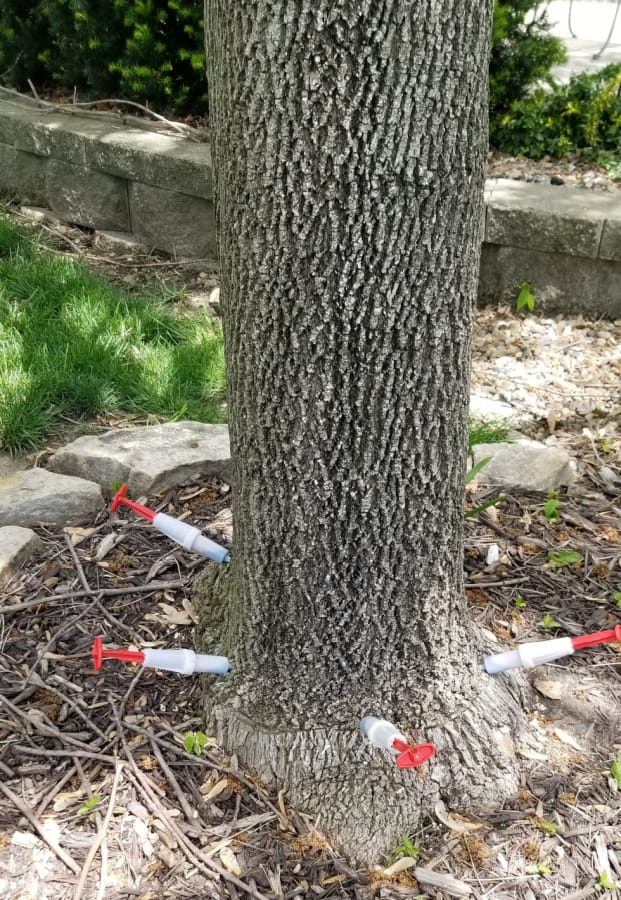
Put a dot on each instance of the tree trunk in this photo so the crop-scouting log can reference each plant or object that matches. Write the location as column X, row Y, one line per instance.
column 349, row 142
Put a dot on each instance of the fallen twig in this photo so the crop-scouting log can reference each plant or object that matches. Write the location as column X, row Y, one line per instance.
column 101, row 834
column 101, row 592
column 84, row 108
column 193, row 853
column 189, row 813
column 28, row 814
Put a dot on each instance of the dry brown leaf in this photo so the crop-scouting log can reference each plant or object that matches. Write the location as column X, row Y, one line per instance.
column 66, row 799
column 167, row 856
column 406, row 862
column 217, row 788
column 76, row 535
column 229, row 861
column 190, row 610
column 170, row 615
column 455, row 823
column 551, row 689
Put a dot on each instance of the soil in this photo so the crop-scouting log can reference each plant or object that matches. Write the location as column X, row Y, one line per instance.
column 94, row 765
column 571, row 170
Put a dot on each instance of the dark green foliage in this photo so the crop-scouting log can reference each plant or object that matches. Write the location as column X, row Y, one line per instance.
column 584, row 115
column 150, row 51
column 523, row 52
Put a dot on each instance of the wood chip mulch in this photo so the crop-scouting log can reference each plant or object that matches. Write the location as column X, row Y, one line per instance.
column 100, row 798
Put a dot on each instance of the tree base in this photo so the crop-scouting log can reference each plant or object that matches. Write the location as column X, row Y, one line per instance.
column 360, row 800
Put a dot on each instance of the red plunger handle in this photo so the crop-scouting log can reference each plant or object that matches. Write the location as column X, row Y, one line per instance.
column 120, row 498
column 99, row 654
column 599, row 637
column 412, row 756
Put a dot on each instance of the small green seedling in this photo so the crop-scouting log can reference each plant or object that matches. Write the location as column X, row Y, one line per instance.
column 605, row 883
column 519, row 602
column 551, row 509
column 606, row 445
column 547, row 827
column 195, row 741
column 615, row 771
column 548, row 623
column 89, row 806
column 405, row 848
column 470, row 476
column 617, row 598
column 526, row 298
column 541, row 868
column 560, row 558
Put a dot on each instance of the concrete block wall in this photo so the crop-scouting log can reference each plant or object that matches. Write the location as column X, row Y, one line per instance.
column 109, row 176
column 158, row 187
column 565, row 241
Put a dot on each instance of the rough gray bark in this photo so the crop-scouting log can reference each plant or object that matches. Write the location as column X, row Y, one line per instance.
column 349, row 141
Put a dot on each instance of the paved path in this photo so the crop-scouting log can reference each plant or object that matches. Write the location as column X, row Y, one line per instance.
column 591, row 21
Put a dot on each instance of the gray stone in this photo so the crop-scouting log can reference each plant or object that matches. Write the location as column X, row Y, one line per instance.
column 561, row 283
column 176, row 223
column 16, row 117
column 525, row 465
column 23, row 175
column 539, row 217
column 610, row 247
column 490, row 410
column 53, row 136
column 17, row 544
column 148, row 458
column 39, row 497
column 124, row 239
column 160, row 160
column 87, row 197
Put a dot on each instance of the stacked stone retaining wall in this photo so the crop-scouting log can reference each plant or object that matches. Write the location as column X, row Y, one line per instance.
column 114, row 176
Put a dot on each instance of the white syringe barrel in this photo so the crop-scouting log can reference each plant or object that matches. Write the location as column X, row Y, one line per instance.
column 528, row 655
column 381, row 733
column 190, row 538
column 186, row 662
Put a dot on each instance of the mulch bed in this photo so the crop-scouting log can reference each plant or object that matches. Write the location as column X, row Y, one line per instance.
column 172, row 824
column 169, row 823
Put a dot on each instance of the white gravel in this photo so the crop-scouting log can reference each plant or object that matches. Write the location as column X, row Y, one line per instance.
column 551, row 369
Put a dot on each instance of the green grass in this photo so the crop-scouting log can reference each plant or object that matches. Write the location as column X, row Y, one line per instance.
column 72, row 344
column 482, row 431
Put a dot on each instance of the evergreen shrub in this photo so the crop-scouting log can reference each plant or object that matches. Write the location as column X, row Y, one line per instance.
column 523, row 53
column 150, row 51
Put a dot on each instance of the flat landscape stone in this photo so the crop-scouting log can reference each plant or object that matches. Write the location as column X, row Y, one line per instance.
column 560, row 282
column 525, row 465
column 147, row 458
column 91, row 198
column 39, row 497
column 177, row 223
column 540, row 217
column 17, row 544
column 488, row 409
column 23, row 175
column 610, row 247
column 166, row 161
